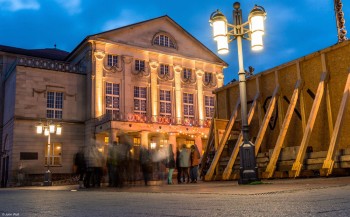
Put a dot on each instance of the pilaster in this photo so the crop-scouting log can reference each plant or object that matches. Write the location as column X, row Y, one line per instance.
column 99, row 56
column 178, row 96
column 154, row 88
column 200, row 100
column 220, row 79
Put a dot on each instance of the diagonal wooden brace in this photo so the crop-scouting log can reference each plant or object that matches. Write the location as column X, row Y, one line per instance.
column 328, row 163
column 228, row 170
column 298, row 164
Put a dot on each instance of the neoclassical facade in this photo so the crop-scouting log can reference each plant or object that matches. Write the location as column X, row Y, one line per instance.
column 151, row 80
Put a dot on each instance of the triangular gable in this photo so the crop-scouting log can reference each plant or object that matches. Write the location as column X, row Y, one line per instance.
column 141, row 35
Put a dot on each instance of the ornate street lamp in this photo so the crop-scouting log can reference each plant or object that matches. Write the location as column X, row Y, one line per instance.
column 48, row 128
column 223, row 33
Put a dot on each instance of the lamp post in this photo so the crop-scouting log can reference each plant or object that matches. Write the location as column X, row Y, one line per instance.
column 48, row 128
column 223, row 33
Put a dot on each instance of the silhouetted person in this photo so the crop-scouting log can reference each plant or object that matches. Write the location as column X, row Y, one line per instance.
column 170, row 163
column 80, row 165
column 185, row 163
column 146, row 164
column 112, row 165
column 195, row 156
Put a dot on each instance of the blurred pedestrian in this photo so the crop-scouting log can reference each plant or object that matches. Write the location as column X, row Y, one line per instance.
column 185, row 155
column 123, row 150
column 146, row 164
column 178, row 168
column 80, row 166
column 94, row 164
column 112, row 164
column 195, row 156
column 170, row 163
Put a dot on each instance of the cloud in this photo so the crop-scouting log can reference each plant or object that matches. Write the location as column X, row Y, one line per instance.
column 72, row 6
column 17, row 5
column 126, row 17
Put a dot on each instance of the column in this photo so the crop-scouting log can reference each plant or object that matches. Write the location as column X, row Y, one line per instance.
column 154, row 89
column 99, row 56
column 113, row 135
column 200, row 100
column 178, row 94
column 144, row 139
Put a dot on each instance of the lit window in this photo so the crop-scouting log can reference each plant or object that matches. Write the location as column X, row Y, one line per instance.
column 164, row 69
column 137, row 141
column 165, row 102
column 112, row 60
column 208, row 77
column 140, row 100
column 139, row 65
column 188, row 105
column 112, row 99
column 54, row 105
column 187, row 73
column 164, row 41
column 54, row 154
column 209, row 107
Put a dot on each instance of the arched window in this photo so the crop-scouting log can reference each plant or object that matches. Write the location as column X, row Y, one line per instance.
column 164, row 40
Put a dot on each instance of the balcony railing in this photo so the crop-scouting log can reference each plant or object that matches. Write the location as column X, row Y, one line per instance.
column 141, row 118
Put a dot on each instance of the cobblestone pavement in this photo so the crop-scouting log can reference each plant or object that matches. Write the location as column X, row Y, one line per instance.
column 291, row 197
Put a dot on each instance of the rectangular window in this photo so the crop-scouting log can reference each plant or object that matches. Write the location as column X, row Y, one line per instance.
column 187, row 73
column 112, row 60
column 140, row 100
column 164, row 69
column 112, row 99
column 137, row 141
column 54, row 105
column 28, row 155
column 165, row 102
column 188, row 105
column 139, row 65
column 209, row 106
column 54, row 154
column 208, row 77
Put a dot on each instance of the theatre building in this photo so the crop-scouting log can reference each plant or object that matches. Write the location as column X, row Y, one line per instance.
column 151, row 80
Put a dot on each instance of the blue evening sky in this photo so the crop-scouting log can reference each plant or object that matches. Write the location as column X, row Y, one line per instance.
column 294, row 28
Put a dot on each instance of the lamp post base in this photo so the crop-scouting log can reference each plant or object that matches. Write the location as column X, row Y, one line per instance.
column 47, row 178
column 248, row 168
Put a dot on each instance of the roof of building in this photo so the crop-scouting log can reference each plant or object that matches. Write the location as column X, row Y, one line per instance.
column 143, row 22
column 48, row 53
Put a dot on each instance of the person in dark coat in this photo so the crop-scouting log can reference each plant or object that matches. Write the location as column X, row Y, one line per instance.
column 112, row 165
column 80, row 166
column 170, row 163
column 178, row 168
column 146, row 164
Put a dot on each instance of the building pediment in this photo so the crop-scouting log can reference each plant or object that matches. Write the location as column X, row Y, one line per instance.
column 150, row 35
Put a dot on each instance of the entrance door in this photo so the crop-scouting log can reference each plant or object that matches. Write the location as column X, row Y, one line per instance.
column 5, row 171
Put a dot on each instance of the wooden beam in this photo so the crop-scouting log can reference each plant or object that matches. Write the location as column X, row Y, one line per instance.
column 296, row 168
column 257, row 82
column 301, row 100
column 227, row 172
column 280, row 104
column 222, row 143
column 265, row 122
column 328, row 99
column 328, row 163
column 271, row 167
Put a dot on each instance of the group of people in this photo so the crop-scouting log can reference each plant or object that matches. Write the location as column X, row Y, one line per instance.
column 121, row 166
column 186, row 163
